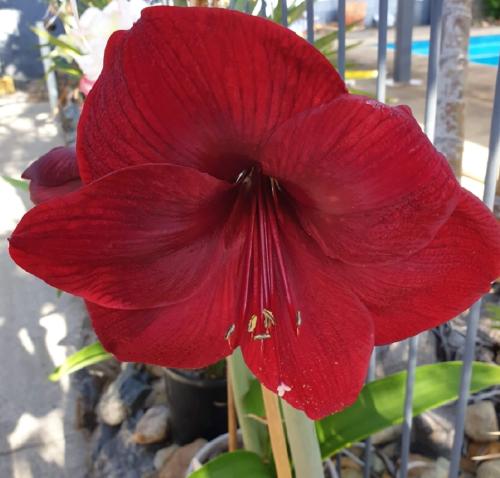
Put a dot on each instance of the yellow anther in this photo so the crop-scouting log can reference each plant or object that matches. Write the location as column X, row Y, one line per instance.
column 262, row 337
column 230, row 332
column 252, row 323
column 298, row 319
column 268, row 318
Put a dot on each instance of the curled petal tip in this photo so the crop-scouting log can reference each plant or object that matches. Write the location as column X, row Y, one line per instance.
column 53, row 174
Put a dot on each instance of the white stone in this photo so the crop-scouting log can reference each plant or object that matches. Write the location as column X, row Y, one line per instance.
column 163, row 455
column 111, row 408
column 386, row 435
column 489, row 469
column 440, row 470
column 351, row 473
column 480, row 420
column 152, row 427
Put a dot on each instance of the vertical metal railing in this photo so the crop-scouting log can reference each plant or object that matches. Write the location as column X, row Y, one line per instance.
column 408, row 405
column 383, row 13
column 341, row 38
column 429, row 126
column 284, row 13
column 367, row 454
column 432, row 71
column 310, row 20
column 50, row 75
column 381, row 88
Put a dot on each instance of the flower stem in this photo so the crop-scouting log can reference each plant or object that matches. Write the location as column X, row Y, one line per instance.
column 304, row 446
column 276, row 434
column 240, row 380
column 231, row 415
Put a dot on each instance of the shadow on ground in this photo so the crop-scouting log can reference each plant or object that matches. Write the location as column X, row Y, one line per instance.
column 38, row 438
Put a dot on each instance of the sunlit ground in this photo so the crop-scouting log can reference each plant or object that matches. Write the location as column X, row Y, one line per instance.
column 37, row 434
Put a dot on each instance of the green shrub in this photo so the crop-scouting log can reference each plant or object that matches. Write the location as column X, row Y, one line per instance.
column 492, row 8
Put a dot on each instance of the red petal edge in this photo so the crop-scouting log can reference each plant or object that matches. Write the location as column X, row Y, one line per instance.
column 52, row 175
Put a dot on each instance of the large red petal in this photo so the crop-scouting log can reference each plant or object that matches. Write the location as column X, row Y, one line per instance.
column 142, row 237
column 198, row 87
column 53, row 174
column 321, row 365
column 187, row 334
column 368, row 184
column 437, row 283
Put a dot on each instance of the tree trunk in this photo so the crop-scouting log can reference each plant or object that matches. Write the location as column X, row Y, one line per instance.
column 449, row 137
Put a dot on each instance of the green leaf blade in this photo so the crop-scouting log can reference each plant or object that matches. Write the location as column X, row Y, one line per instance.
column 54, row 41
column 89, row 355
column 380, row 403
column 17, row 183
column 243, row 464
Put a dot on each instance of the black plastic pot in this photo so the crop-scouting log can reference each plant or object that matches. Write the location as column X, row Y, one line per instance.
column 198, row 407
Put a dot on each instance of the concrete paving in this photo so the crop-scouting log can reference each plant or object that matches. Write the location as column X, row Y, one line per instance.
column 38, row 438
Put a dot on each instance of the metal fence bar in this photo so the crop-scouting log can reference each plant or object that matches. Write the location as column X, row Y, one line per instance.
column 263, row 8
column 50, row 75
column 341, row 38
column 470, row 345
column 404, row 32
column 310, row 20
column 368, row 442
column 284, row 13
column 433, row 68
column 473, row 322
column 494, row 153
column 381, row 77
column 429, row 126
column 408, row 405
column 383, row 9
column 338, row 465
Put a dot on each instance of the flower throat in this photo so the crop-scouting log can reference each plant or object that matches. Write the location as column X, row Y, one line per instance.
column 266, row 285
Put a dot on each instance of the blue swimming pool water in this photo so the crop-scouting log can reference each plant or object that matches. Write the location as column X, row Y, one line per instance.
column 482, row 49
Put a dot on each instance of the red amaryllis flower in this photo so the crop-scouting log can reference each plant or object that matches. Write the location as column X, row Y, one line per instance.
column 53, row 174
column 236, row 195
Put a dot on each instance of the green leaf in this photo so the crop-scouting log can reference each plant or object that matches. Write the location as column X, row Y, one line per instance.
column 243, row 464
column 356, row 91
column 60, row 64
column 326, row 40
column 54, row 41
column 89, row 355
column 276, row 14
column 17, row 183
column 494, row 310
column 253, row 402
column 380, row 404
column 295, row 12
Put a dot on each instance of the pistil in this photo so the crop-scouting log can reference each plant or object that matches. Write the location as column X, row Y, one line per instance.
column 267, row 265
